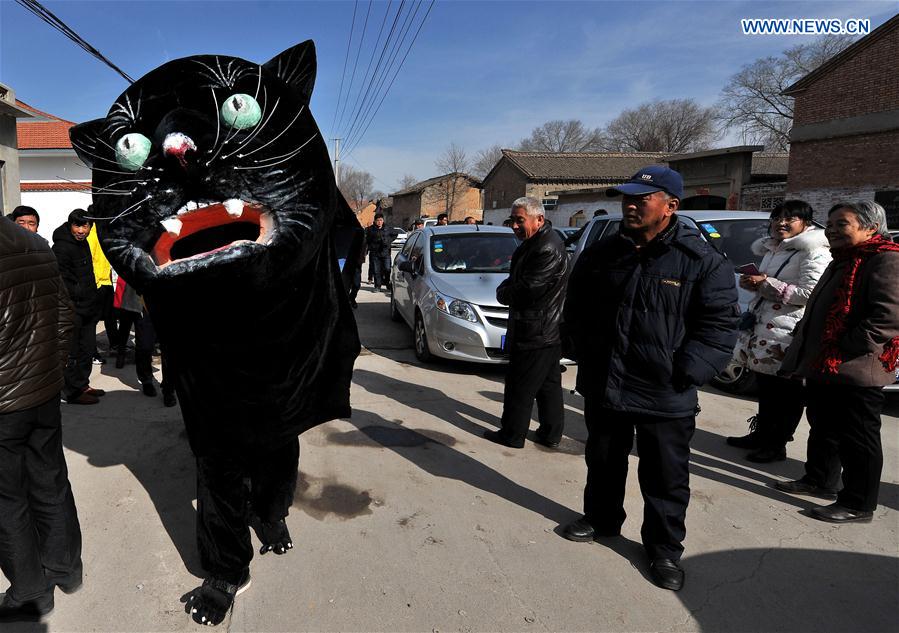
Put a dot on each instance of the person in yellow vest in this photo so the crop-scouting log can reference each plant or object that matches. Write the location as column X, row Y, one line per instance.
column 105, row 293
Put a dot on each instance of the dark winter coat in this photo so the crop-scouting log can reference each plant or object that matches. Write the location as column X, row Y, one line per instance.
column 77, row 269
column 36, row 320
column 649, row 325
column 535, row 291
column 873, row 320
column 379, row 240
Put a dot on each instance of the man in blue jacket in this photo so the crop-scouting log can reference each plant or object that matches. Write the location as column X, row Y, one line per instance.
column 652, row 314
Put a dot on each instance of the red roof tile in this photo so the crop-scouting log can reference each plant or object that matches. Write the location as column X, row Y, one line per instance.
column 44, row 132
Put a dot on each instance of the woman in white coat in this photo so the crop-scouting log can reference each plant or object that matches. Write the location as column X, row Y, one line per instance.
column 795, row 255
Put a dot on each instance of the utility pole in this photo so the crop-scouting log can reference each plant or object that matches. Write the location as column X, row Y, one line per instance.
column 336, row 160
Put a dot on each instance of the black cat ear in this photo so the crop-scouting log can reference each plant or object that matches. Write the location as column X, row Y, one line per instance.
column 296, row 67
column 84, row 137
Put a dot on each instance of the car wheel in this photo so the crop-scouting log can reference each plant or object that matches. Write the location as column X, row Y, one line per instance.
column 735, row 379
column 394, row 313
column 422, row 350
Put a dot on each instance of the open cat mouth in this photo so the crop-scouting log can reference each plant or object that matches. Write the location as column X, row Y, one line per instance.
column 199, row 229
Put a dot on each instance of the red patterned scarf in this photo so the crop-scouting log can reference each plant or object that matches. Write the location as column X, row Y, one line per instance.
column 836, row 321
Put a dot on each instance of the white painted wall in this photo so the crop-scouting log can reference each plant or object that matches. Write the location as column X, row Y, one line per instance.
column 39, row 168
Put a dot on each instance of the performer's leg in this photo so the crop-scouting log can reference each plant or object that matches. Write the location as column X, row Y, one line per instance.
column 273, row 482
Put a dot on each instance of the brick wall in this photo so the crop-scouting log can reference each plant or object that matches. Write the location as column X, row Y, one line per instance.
column 868, row 159
column 762, row 196
column 848, row 90
column 504, row 185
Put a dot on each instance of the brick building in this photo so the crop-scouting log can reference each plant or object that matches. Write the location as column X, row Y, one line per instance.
column 543, row 175
column 456, row 194
column 845, row 137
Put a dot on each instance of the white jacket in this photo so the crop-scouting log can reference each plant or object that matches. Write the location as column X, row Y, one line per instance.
column 780, row 302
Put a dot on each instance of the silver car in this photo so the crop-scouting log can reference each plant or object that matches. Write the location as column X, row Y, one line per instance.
column 443, row 285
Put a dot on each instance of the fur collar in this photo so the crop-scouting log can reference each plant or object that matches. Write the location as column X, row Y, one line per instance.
column 810, row 239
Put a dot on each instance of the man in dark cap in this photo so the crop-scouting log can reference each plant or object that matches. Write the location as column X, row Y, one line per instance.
column 652, row 313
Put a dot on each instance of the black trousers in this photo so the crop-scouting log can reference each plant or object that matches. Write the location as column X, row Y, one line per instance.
column 40, row 538
column 144, row 344
column 105, row 298
column 844, row 431
column 663, row 447
column 81, row 352
column 229, row 489
column 533, row 375
column 381, row 269
column 781, row 402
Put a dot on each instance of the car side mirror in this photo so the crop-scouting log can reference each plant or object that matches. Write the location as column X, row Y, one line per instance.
column 405, row 266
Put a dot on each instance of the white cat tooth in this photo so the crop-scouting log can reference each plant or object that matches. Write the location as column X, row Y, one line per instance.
column 191, row 206
column 172, row 225
column 234, row 207
column 182, row 210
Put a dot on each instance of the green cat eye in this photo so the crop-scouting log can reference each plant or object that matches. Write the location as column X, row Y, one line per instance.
column 241, row 111
column 132, row 150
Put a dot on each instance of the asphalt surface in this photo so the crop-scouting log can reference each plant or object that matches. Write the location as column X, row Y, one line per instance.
column 405, row 519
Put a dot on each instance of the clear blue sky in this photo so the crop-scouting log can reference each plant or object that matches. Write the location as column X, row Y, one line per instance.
column 480, row 73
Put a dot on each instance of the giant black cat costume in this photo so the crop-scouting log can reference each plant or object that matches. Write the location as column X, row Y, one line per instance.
column 216, row 200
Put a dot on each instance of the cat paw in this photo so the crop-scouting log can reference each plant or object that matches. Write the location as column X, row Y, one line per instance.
column 275, row 537
column 209, row 603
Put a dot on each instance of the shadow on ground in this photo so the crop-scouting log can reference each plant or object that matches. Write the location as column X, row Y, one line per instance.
column 791, row 590
column 433, row 452
column 153, row 446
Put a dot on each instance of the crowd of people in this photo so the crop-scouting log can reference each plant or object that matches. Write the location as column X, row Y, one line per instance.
column 650, row 314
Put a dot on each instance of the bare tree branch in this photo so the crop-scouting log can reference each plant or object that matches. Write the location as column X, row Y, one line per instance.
column 563, row 136
column 485, row 160
column 676, row 125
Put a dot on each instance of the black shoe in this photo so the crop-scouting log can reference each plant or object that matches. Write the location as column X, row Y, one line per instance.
column 751, row 440
column 120, row 359
column 801, row 487
column 542, row 441
column 274, row 537
column 667, row 574
column 149, row 389
column 768, row 455
column 169, row 399
column 71, row 586
column 835, row 513
column 496, row 436
column 579, row 531
column 353, row 304
column 30, row 610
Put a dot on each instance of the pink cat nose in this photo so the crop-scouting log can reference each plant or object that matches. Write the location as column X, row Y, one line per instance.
column 177, row 145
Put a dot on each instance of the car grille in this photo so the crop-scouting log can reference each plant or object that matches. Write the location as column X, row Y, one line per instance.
column 497, row 316
column 496, row 353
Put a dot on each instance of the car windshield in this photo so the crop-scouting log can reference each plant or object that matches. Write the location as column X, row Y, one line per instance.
column 734, row 238
column 473, row 252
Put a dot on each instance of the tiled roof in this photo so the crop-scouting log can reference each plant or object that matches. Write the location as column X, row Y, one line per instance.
column 581, row 166
column 424, row 184
column 55, row 186
column 45, row 131
column 770, row 164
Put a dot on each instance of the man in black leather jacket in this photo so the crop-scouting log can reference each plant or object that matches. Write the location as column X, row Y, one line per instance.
column 378, row 239
column 534, row 292
column 652, row 311
column 40, row 538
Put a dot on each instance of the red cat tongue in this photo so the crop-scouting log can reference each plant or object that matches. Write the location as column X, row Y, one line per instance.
column 200, row 220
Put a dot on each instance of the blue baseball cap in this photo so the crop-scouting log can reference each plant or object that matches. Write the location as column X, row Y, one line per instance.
column 649, row 180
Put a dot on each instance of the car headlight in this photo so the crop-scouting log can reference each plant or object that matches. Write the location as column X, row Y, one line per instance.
column 457, row 308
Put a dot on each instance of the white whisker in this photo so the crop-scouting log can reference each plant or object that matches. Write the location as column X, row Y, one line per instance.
column 290, row 153
column 129, row 209
column 286, row 157
column 274, row 139
column 218, row 118
column 256, row 131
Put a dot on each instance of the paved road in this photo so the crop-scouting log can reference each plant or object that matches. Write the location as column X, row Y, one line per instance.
column 406, row 520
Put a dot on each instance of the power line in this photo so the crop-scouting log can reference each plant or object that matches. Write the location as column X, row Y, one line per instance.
column 355, row 64
column 386, row 92
column 345, row 59
column 377, row 66
column 398, row 44
column 47, row 16
column 370, row 58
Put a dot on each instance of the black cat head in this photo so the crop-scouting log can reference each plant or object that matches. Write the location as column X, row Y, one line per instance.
column 209, row 163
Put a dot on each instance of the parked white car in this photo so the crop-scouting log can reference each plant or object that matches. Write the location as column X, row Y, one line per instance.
column 443, row 285
column 400, row 238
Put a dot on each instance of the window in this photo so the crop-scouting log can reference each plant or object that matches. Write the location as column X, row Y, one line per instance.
column 550, row 203
column 473, row 252
column 769, row 202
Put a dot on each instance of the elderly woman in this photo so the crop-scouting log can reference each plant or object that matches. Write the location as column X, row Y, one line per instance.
column 794, row 256
column 847, row 348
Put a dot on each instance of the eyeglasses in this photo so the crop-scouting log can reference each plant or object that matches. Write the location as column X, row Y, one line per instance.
column 789, row 220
